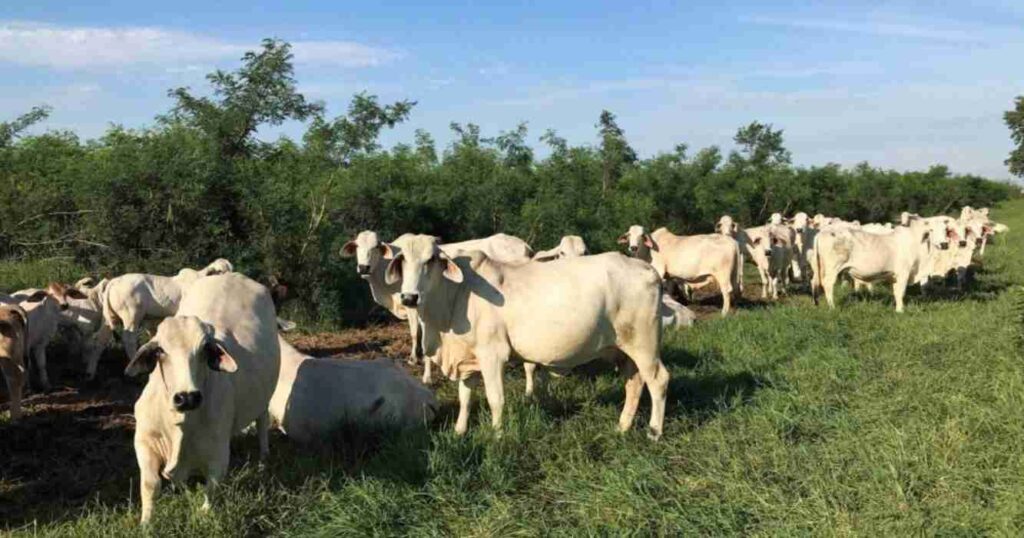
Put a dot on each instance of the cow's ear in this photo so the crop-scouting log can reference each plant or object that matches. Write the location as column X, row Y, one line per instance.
column 649, row 243
column 623, row 239
column 735, row 227
column 926, row 235
column 75, row 294
column 393, row 274
column 145, row 359
column 37, row 297
column 218, row 358
column 452, row 271
column 349, row 249
column 388, row 251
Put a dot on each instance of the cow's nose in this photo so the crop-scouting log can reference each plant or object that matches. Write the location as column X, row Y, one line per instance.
column 944, row 245
column 963, row 243
column 187, row 401
column 410, row 299
column 633, row 248
column 64, row 306
column 363, row 269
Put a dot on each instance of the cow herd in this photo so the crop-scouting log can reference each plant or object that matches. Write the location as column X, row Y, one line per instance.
column 217, row 364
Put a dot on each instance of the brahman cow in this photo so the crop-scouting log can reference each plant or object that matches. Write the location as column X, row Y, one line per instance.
column 901, row 257
column 696, row 259
column 133, row 298
column 754, row 244
column 559, row 315
column 571, row 246
column 315, row 396
column 213, row 368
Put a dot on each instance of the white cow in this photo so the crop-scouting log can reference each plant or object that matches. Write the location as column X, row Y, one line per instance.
column 571, row 246
column 214, row 366
column 694, row 259
column 315, row 396
column 133, row 298
column 81, row 307
column 754, row 244
column 782, row 246
column 559, row 314
column 43, row 319
column 371, row 260
column 901, row 257
column 877, row 228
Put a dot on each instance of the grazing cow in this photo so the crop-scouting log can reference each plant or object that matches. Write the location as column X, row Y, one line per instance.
column 560, row 315
column 133, row 298
column 674, row 315
column 694, row 259
column 571, row 246
column 315, row 396
column 754, row 244
column 901, row 257
column 218, row 361
column 13, row 325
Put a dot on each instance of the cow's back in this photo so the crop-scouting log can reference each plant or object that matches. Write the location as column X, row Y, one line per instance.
column 567, row 310
column 242, row 314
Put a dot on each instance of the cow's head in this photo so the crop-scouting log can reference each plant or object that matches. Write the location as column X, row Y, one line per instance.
column 62, row 293
column 799, row 222
column 726, row 225
column 185, row 350
column 572, row 246
column 775, row 219
column 939, row 232
column 907, row 217
column 420, row 265
column 368, row 250
column 634, row 238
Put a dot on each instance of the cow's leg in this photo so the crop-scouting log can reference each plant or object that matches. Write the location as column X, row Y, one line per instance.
column 417, row 343
column 828, row 282
column 428, row 376
column 14, row 374
column 765, row 281
column 529, row 369
column 215, row 471
column 97, row 345
column 149, row 478
column 899, row 288
column 984, row 241
column 634, row 389
column 39, row 355
column 725, row 285
column 263, row 432
column 655, row 376
column 492, row 366
column 465, row 396
column 961, row 278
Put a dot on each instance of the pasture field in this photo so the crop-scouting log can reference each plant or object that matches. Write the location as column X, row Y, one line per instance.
column 782, row 419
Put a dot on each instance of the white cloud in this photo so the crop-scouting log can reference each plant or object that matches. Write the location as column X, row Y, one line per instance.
column 878, row 28
column 105, row 48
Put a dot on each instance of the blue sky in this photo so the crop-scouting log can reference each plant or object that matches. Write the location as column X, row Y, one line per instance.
column 898, row 84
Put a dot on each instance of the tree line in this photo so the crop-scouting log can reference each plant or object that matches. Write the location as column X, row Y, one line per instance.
column 200, row 184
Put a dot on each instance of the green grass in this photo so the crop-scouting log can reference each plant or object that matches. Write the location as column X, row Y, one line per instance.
column 786, row 420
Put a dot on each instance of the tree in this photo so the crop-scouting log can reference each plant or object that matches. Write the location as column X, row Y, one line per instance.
column 513, row 144
column 761, row 145
column 616, row 153
column 358, row 130
column 261, row 92
column 1015, row 121
column 10, row 130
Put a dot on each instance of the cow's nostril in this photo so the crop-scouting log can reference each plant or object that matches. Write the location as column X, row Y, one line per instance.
column 179, row 400
column 410, row 299
column 363, row 269
column 963, row 243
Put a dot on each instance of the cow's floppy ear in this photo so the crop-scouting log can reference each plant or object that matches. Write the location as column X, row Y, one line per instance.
column 75, row 294
column 144, row 360
column 218, row 358
column 452, row 271
column 349, row 249
column 649, row 243
column 623, row 239
column 927, row 234
column 735, row 227
column 394, row 271
column 388, row 250
column 37, row 297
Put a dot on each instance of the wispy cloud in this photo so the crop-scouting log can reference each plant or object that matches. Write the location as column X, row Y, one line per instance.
column 878, row 28
column 101, row 48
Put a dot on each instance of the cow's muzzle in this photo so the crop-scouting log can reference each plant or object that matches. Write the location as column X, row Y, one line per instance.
column 410, row 299
column 187, row 401
column 633, row 249
column 962, row 243
column 363, row 269
column 944, row 245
